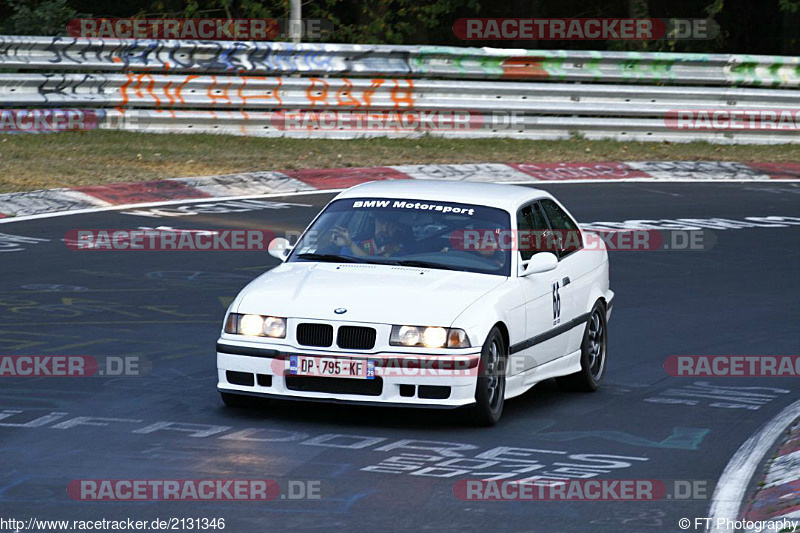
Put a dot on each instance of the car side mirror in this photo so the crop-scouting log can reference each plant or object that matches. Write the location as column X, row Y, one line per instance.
column 539, row 263
column 279, row 248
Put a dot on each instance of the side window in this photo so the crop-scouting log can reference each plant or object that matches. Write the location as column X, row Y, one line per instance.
column 566, row 231
column 531, row 224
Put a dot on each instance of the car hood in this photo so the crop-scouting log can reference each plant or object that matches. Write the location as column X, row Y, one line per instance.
column 370, row 293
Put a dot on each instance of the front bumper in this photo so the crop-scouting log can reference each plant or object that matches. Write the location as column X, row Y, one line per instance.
column 258, row 369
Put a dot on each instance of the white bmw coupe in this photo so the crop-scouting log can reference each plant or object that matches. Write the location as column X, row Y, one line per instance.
column 421, row 293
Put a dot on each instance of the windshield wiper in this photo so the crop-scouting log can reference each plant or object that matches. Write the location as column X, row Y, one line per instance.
column 330, row 258
column 336, row 258
column 425, row 264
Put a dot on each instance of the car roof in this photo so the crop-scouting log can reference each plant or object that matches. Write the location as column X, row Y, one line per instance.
column 508, row 197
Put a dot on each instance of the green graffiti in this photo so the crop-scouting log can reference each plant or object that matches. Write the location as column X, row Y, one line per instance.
column 681, row 438
column 465, row 62
column 625, row 67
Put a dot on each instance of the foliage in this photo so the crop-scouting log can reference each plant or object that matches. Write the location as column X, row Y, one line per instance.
column 48, row 17
column 763, row 27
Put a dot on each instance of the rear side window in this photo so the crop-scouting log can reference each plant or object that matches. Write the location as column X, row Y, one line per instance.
column 565, row 230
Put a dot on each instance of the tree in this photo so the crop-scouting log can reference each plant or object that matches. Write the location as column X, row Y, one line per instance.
column 30, row 17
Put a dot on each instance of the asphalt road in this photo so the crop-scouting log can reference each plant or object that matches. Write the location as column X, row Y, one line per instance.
column 389, row 469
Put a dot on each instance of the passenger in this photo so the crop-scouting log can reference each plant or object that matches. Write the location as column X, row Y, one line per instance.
column 385, row 241
column 488, row 249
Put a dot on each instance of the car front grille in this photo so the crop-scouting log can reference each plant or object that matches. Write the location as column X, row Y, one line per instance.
column 315, row 334
column 356, row 338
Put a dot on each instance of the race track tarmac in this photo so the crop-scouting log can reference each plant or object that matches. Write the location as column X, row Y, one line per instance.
column 387, row 469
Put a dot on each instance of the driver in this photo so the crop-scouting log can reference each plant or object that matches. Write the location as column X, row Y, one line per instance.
column 384, row 242
column 493, row 254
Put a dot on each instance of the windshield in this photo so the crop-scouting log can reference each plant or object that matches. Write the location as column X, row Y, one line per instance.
column 406, row 232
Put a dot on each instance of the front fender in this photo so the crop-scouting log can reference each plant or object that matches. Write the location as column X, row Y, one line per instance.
column 504, row 304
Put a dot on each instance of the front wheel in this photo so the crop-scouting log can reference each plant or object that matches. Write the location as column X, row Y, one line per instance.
column 491, row 386
column 594, row 351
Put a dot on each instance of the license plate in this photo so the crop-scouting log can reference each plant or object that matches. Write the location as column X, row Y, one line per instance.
column 302, row 365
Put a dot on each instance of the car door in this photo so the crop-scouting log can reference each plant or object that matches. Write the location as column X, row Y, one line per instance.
column 572, row 283
column 543, row 295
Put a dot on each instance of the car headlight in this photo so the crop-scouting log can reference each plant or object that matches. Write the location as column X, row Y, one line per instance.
column 429, row 337
column 256, row 325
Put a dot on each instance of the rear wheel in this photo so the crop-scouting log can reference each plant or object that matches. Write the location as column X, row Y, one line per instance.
column 491, row 386
column 593, row 354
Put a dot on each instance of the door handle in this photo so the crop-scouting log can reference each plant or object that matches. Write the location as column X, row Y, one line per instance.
column 565, row 281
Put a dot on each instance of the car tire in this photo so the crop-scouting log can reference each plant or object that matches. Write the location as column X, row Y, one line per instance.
column 236, row 400
column 491, row 385
column 594, row 354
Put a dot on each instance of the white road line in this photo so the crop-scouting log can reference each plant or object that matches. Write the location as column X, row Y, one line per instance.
column 125, row 207
column 534, row 182
column 730, row 492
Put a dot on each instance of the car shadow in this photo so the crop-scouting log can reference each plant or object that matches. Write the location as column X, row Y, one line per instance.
column 534, row 403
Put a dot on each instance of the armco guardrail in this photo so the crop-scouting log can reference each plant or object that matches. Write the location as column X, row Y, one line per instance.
column 225, row 57
column 283, row 89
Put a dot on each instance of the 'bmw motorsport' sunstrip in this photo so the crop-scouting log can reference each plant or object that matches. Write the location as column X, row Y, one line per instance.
column 423, row 293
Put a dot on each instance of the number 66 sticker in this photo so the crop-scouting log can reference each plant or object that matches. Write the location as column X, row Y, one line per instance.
column 556, row 302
